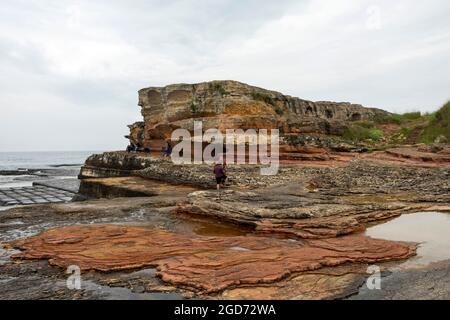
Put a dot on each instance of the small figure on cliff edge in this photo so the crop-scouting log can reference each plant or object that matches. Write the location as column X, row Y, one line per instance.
column 167, row 151
column 131, row 148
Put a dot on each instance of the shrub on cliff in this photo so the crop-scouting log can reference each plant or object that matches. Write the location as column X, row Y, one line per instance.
column 402, row 136
column 439, row 125
column 397, row 118
column 194, row 108
column 218, row 88
column 359, row 133
column 263, row 97
column 365, row 124
column 279, row 111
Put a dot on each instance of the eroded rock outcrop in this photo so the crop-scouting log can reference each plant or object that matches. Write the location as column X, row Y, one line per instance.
column 235, row 105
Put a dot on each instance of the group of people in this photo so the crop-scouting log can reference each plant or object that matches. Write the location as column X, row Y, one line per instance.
column 137, row 148
column 166, row 151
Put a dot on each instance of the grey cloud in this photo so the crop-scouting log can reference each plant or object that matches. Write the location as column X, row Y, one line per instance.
column 74, row 67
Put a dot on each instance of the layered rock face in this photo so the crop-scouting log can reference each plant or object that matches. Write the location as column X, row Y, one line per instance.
column 136, row 135
column 235, row 105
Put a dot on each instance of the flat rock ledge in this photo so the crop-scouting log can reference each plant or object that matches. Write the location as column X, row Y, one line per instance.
column 202, row 264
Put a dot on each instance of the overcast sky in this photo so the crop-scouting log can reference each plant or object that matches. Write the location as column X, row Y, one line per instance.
column 70, row 70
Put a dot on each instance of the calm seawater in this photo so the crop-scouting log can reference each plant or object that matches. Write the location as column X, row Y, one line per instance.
column 42, row 160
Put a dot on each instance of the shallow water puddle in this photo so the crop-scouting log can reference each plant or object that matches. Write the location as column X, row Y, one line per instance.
column 121, row 293
column 186, row 224
column 207, row 228
column 7, row 208
column 430, row 229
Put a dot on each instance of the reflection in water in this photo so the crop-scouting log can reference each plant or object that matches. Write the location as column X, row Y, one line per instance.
column 207, row 228
column 7, row 208
column 431, row 230
column 185, row 224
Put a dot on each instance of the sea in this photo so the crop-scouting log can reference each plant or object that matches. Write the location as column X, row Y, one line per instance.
column 54, row 164
column 42, row 160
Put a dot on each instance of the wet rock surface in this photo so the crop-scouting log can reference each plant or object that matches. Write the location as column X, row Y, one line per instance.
column 426, row 283
column 71, row 185
column 34, row 195
column 36, row 186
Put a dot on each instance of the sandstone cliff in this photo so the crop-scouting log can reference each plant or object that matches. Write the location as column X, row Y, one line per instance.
column 233, row 105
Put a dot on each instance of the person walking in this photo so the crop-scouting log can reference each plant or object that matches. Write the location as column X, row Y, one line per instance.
column 219, row 173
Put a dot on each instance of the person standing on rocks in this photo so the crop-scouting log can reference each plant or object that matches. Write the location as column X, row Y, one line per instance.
column 219, row 173
column 167, row 151
column 169, row 148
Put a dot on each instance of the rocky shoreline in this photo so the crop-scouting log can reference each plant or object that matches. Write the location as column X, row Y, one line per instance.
column 143, row 227
column 303, row 227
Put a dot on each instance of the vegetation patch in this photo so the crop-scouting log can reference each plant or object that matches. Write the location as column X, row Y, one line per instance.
column 359, row 133
column 365, row 124
column 439, row 125
column 263, row 97
column 194, row 108
column 402, row 135
column 279, row 111
column 217, row 87
column 397, row 118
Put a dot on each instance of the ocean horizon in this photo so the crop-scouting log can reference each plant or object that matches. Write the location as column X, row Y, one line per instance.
column 15, row 160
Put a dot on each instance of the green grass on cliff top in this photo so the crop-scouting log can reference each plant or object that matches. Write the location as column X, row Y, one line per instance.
column 398, row 118
column 414, row 127
column 359, row 132
column 439, row 125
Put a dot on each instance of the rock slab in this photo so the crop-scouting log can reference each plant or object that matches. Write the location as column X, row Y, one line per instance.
column 204, row 264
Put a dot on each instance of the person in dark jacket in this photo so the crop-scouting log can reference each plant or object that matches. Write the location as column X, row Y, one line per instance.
column 220, row 175
column 169, row 148
column 167, row 151
column 131, row 147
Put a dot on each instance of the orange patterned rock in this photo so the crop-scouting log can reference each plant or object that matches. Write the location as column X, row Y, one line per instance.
column 232, row 105
column 200, row 263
